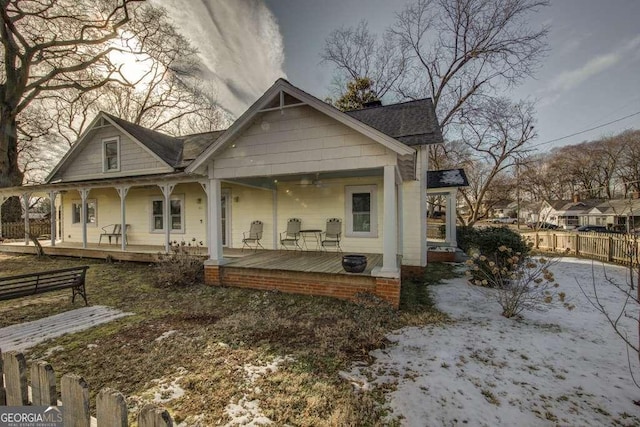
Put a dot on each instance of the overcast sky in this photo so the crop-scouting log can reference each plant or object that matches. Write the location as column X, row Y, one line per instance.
column 591, row 75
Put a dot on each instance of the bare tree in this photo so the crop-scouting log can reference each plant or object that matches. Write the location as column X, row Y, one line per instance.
column 456, row 51
column 497, row 133
column 359, row 54
column 45, row 44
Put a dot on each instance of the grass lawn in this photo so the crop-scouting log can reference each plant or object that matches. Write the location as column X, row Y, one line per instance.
column 203, row 351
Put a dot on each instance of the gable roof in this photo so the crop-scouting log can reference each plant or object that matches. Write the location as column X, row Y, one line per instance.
column 168, row 148
column 282, row 87
column 412, row 122
column 447, row 178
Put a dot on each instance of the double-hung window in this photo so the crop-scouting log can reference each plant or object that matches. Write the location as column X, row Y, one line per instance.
column 176, row 215
column 111, row 155
column 361, row 211
column 76, row 212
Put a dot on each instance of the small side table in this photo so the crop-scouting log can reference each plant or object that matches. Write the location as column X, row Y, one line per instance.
column 314, row 234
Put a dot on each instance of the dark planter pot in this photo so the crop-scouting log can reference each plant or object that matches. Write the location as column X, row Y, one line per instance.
column 354, row 263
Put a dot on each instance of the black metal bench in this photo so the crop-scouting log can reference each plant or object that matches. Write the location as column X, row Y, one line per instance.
column 45, row 281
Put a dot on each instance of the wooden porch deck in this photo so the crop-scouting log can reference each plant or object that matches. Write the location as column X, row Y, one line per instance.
column 305, row 261
column 265, row 259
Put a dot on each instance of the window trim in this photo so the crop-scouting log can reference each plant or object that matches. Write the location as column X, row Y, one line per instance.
column 350, row 190
column 78, row 202
column 179, row 197
column 106, row 141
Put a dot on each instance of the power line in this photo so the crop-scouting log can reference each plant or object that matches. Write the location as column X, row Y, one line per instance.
column 586, row 130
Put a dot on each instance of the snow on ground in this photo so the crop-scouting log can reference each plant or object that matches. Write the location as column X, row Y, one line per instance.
column 557, row 367
column 247, row 412
column 25, row 335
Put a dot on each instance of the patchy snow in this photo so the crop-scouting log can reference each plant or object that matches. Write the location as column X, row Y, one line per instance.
column 25, row 335
column 165, row 335
column 548, row 368
column 247, row 412
column 166, row 391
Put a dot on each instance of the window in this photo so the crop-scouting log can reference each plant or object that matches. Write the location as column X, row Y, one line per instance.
column 176, row 214
column 76, row 212
column 111, row 154
column 361, row 211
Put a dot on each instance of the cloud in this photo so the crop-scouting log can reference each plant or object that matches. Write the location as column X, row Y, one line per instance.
column 240, row 46
column 568, row 80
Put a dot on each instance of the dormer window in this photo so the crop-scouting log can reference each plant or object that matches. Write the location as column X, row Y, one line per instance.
column 111, row 155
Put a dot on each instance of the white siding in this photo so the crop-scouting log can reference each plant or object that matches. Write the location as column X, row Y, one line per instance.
column 298, row 140
column 134, row 159
column 412, row 239
column 138, row 215
column 313, row 205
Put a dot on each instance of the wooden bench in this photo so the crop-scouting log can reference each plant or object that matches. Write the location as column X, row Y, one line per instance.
column 46, row 281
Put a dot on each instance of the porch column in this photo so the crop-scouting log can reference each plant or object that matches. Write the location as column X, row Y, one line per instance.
column 84, row 194
column 2, row 200
column 422, row 168
column 26, row 197
column 275, row 219
column 451, row 218
column 390, row 225
column 53, row 215
column 214, row 223
column 166, row 189
column 400, row 219
column 122, row 192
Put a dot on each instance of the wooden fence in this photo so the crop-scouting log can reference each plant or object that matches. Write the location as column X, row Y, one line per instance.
column 15, row 230
column 619, row 248
column 111, row 407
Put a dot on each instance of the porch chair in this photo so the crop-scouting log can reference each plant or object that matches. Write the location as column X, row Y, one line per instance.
column 292, row 235
column 253, row 236
column 113, row 230
column 332, row 234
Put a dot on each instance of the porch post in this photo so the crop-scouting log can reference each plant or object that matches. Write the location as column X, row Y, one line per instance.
column 53, row 215
column 451, row 218
column 2, row 200
column 400, row 214
column 275, row 219
column 166, row 189
column 122, row 192
column 390, row 225
column 214, row 224
column 422, row 174
column 26, row 197
column 84, row 193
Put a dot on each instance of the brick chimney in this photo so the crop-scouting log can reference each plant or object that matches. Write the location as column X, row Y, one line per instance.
column 576, row 198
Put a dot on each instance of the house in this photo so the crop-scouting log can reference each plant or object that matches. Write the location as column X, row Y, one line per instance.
column 290, row 155
column 613, row 214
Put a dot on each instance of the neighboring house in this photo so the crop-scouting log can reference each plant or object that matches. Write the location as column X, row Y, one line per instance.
column 503, row 209
column 290, row 155
column 614, row 214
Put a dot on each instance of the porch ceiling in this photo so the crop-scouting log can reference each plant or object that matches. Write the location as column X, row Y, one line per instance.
column 310, row 179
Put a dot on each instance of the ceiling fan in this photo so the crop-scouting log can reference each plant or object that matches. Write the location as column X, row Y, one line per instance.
column 312, row 182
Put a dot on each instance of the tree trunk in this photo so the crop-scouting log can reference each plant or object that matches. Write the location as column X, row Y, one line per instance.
column 10, row 174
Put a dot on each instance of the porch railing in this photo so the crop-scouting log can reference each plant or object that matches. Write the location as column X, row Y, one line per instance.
column 15, row 230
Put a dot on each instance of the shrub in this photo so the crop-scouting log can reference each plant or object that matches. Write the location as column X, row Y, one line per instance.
column 179, row 268
column 488, row 242
column 522, row 283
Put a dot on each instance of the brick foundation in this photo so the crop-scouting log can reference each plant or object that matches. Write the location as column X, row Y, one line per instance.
column 212, row 275
column 341, row 286
column 412, row 271
column 441, row 256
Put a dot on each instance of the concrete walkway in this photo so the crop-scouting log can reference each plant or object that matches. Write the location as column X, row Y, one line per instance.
column 25, row 335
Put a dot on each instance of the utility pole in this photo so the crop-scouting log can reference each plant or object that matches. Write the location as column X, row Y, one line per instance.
column 518, row 193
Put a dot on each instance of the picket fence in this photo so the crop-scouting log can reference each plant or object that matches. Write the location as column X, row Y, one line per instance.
column 617, row 248
column 111, row 406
